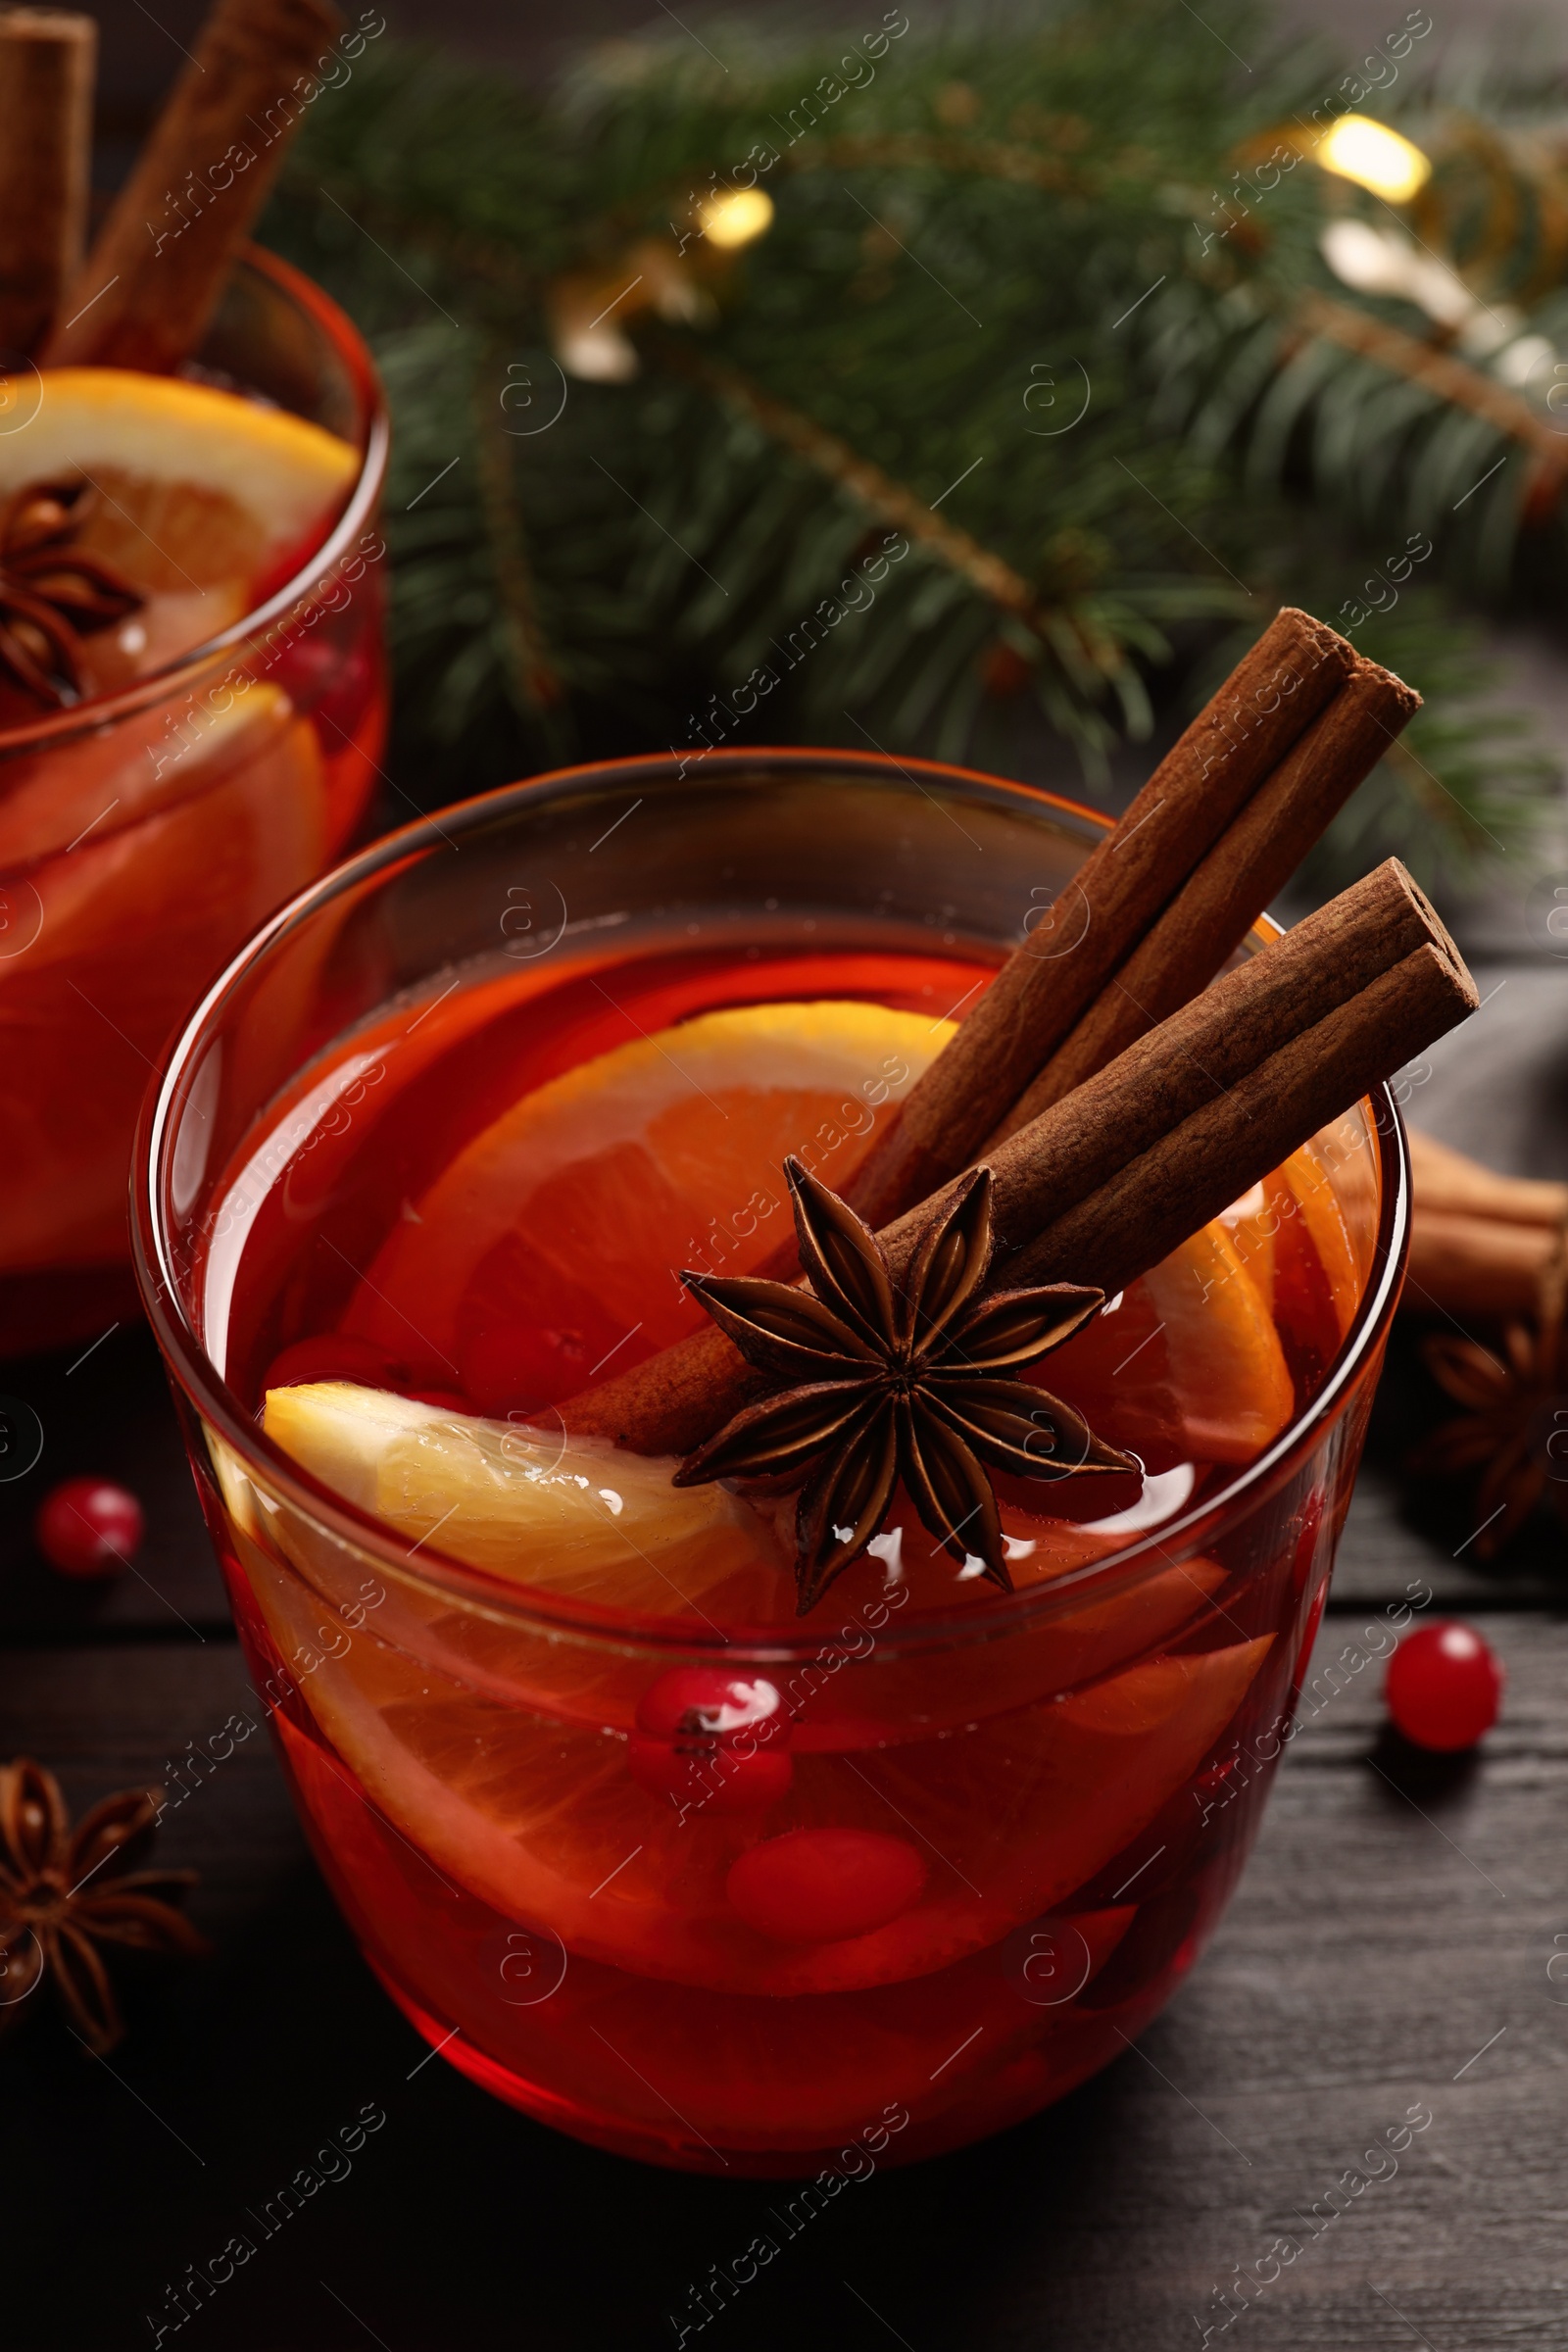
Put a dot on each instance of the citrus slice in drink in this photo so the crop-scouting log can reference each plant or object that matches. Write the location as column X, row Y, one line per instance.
column 201, row 493
column 547, row 1252
column 552, row 1245
column 1186, row 1365
column 585, row 1519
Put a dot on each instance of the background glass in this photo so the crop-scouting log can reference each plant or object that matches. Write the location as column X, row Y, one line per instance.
column 206, row 802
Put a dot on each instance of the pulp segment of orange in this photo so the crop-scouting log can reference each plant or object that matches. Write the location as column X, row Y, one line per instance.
column 1269, row 1222
column 1186, row 1365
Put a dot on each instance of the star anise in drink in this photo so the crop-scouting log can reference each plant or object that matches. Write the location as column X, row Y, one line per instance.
column 52, row 593
column 1514, row 1426
column 64, row 1894
column 881, row 1381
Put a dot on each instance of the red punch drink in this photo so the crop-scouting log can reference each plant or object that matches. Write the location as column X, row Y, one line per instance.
column 192, row 708
column 640, row 1847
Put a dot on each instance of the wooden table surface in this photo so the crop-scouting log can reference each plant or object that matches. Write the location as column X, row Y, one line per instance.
column 1391, row 1950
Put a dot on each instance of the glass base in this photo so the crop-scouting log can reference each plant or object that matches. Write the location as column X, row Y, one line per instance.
column 1025, row 2089
column 683, row 2078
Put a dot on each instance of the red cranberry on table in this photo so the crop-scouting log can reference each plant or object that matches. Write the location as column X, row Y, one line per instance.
column 88, row 1527
column 1443, row 1686
column 820, row 1885
column 711, row 1740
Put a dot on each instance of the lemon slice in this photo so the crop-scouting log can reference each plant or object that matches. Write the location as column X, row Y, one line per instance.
column 516, row 1502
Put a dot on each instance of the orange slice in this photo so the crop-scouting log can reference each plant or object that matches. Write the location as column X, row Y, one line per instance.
column 204, row 501
column 1187, row 1365
column 555, row 1239
column 197, row 486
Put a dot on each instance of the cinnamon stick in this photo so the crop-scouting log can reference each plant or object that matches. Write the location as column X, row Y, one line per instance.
column 1220, row 1152
column 47, row 59
column 1156, row 1142
column 1036, row 998
column 1249, row 865
column 1480, row 1243
column 1447, row 1183
column 157, row 268
column 1476, row 1265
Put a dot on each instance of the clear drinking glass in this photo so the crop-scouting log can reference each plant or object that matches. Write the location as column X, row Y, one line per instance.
column 1080, row 1767
column 144, row 834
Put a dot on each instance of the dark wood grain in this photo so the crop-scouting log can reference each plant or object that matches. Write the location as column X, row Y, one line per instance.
column 1379, row 1939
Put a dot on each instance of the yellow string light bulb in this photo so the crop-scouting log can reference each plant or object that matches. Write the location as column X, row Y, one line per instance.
column 1375, row 157
column 736, row 217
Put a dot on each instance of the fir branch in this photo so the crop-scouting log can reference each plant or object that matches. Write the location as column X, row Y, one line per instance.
column 881, row 496
column 535, row 677
column 1454, row 382
column 917, row 151
column 1036, row 173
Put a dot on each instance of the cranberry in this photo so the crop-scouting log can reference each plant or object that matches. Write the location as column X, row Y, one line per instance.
column 1443, row 1686
column 708, row 1701
column 819, row 1885
column 88, row 1527
column 712, row 1741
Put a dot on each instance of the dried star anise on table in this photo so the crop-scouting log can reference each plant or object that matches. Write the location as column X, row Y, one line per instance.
column 63, row 1892
column 882, row 1382
column 1514, row 1426
column 52, row 593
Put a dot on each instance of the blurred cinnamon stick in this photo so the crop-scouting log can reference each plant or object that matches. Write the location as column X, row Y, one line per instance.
column 159, row 264
column 1480, row 1243
column 47, row 61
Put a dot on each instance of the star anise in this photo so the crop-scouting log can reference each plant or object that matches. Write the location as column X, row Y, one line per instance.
column 52, row 594
column 63, row 1892
column 1516, row 1422
column 885, row 1382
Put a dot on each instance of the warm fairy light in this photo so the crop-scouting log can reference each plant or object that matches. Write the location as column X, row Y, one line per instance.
column 1374, row 157
column 737, row 217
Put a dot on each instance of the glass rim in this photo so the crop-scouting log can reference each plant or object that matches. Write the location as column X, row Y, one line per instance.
column 187, row 669
column 206, row 1390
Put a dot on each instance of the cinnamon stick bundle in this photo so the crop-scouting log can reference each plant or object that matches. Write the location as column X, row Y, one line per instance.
column 159, row 264
column 1271, row 700
column 1223, row 897
column 47, row 59
column 1101, row 1185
